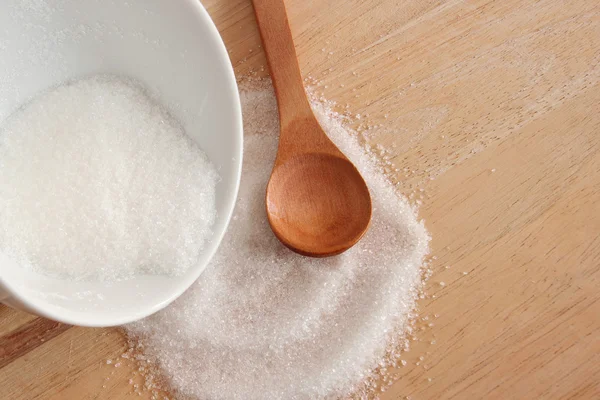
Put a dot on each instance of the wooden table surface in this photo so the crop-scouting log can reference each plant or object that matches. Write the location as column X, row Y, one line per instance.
column 494, row 108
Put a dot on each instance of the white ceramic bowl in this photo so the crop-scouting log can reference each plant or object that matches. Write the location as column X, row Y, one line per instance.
column 174, row 49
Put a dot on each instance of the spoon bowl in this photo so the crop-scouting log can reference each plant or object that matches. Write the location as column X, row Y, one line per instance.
column 318, row 204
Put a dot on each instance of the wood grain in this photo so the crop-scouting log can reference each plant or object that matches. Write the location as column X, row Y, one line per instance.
column 493, row 109
column 27, row 337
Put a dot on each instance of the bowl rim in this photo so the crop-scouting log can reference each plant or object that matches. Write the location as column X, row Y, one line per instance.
column 13, row 297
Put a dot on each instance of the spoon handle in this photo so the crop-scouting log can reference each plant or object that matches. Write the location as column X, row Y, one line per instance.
column 283, row 63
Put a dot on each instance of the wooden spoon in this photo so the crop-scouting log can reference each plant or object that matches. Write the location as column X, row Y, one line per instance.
column 317, row 202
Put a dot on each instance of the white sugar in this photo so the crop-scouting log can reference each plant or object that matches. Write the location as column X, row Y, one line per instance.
column 265, row 323
column 98, row 181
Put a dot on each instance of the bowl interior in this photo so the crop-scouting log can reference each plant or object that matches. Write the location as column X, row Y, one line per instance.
column 173, row 48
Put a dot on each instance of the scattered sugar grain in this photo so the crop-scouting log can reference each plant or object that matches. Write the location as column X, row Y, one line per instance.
column 265, row 323
column 99, row 181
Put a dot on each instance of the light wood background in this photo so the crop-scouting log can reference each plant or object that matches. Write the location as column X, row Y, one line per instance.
column 493, row 107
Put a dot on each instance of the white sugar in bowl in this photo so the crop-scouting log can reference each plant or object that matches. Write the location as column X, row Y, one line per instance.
column 172, row 48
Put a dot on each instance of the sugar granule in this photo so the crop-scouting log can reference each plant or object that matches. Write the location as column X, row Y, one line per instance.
column 265, row 323
column 99, row 181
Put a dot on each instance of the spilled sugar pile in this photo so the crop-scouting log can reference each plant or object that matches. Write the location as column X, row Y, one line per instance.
column 98, row 181
column 265, row 323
